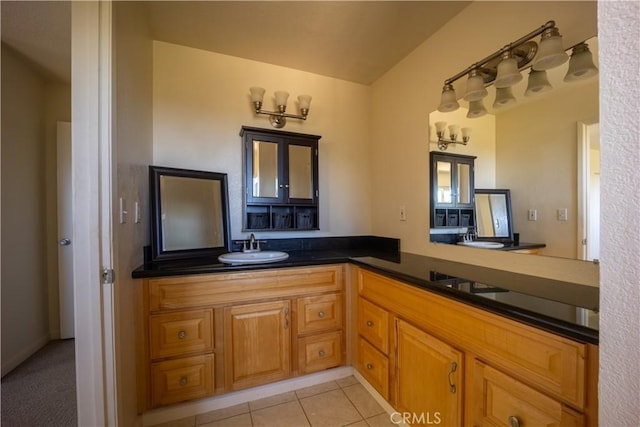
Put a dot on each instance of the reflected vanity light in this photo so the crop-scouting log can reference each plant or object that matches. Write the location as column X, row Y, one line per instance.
column 443, row 143
column 279, row 118
column 503, row 69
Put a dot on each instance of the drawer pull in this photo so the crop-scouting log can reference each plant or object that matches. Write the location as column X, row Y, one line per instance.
column 183, row 381
column 452, row 386
column 321, row 314
column 369, row 366
column 182, row 335
column 369, row 323
column 514, row 421
column 321, row 353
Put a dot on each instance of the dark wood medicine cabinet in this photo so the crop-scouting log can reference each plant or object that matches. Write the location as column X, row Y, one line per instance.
column 280, row 180
column 452, row 194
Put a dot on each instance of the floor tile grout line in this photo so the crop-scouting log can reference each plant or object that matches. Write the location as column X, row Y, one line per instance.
column 355, row 406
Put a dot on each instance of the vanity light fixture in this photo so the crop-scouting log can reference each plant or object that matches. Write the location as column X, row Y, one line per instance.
column 443, row 143
column 503, row 68
column 279, row 118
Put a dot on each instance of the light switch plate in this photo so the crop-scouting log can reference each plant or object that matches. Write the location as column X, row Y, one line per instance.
column 533, row 215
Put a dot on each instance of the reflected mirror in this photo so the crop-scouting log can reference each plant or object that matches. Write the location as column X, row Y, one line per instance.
column 189, row 213
column 444, row 182
column 493, row 215
column 300, row 172
column 265, row 169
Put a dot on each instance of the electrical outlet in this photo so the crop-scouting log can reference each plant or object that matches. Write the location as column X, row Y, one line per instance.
column 562, row 214
column 533, row 215
column 403, row 213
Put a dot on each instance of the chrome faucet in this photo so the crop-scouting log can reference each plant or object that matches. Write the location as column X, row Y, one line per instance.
column 254, row 245
column 470, row 235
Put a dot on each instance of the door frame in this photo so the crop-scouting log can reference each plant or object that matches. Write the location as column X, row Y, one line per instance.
column 583, row 196
column 91, row 64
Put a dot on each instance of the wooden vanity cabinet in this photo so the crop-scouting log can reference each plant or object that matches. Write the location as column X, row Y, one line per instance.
column 209, row 334
column 466, row 366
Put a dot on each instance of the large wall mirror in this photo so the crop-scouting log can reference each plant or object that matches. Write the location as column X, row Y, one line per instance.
column 190, row 214
column 545, row 150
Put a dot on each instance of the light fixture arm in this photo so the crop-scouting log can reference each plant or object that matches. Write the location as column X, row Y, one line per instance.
column 499, row 53
column 443, row 143
column 279, row 118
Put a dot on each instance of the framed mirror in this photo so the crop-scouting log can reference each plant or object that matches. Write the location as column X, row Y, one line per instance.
column 494, row 219
column 189, row 213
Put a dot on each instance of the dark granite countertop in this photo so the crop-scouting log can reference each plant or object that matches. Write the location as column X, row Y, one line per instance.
column 564, row 308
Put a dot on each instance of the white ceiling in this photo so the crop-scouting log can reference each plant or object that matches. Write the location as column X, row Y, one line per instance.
column 352, row 40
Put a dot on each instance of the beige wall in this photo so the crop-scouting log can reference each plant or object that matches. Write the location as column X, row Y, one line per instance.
column 537, row 158
column 403, row 99
column 133, row 147
column 25, row 321
column 201, row 100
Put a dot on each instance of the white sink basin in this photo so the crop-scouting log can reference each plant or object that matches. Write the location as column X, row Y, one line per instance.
column 260, row 257
column 485, row 245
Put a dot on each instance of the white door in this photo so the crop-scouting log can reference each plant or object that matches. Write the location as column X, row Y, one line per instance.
column 65, row 230
column 589, row 191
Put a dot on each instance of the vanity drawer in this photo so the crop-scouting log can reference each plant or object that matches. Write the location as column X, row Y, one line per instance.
column 319, row 313
column 318, row 352
column 176, row 334
column 374, row 367
column 499, row 400
column 183, row 379
column 373, row 324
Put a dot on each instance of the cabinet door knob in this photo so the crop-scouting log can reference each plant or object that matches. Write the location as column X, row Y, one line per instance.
column 182, row 335
column 514, row 421
column 369, row 366
column 369, row 323
column 321, row 314
column 321, row 353
column 183, row 381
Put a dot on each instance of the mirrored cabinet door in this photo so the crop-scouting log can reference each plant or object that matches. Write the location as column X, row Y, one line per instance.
column 265, row 169
column 452, row 190
column 300, row 172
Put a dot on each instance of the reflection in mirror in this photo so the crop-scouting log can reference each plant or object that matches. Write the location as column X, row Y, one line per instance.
column 532, row 149
column 444, row 182
column 300, row 173
column 190, row 215
column 265, row 169
column 464, row 181
column 493, row 215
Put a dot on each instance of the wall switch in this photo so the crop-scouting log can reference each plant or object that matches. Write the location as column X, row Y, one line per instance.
column 137, row 215
column 403, row 213
column 123, row 211
column 562, row 214
column 533, row 215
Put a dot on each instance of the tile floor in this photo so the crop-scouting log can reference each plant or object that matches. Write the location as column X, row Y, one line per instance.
column 344, row 402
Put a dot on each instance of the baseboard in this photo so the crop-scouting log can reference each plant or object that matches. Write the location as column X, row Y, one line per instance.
column 176, row 412
column 11, row 363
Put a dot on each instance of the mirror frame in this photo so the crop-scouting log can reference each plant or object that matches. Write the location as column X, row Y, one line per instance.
column 507, row 194
column 157, row 253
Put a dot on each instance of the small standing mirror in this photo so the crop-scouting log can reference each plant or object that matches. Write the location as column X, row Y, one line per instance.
column 493, row 215
column 190, row 215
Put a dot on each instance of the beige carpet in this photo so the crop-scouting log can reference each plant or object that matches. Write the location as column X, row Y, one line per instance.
column 41, row 392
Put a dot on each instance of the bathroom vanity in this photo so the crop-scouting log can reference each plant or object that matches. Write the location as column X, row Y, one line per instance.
column 487, row 345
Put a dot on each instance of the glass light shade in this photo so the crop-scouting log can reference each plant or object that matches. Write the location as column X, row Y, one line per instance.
column 281, row 97
column 475, row 87
column 448, row 101
column 453, row 131
column 550, row 52
column 508, row 73
column 504, row 97
column 466, row 132
column 537, row 83
column 476, row 109
column 581, row 65
column 304, row 101
column 257, row 94
column 440, row 127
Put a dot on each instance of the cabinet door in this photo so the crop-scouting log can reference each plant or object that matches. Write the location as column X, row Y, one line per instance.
column 464, row 183
column 301, row 172
column 452, row 181
column 497, row 399
column 257, row 344
column 428, row 378
column 264, row 169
